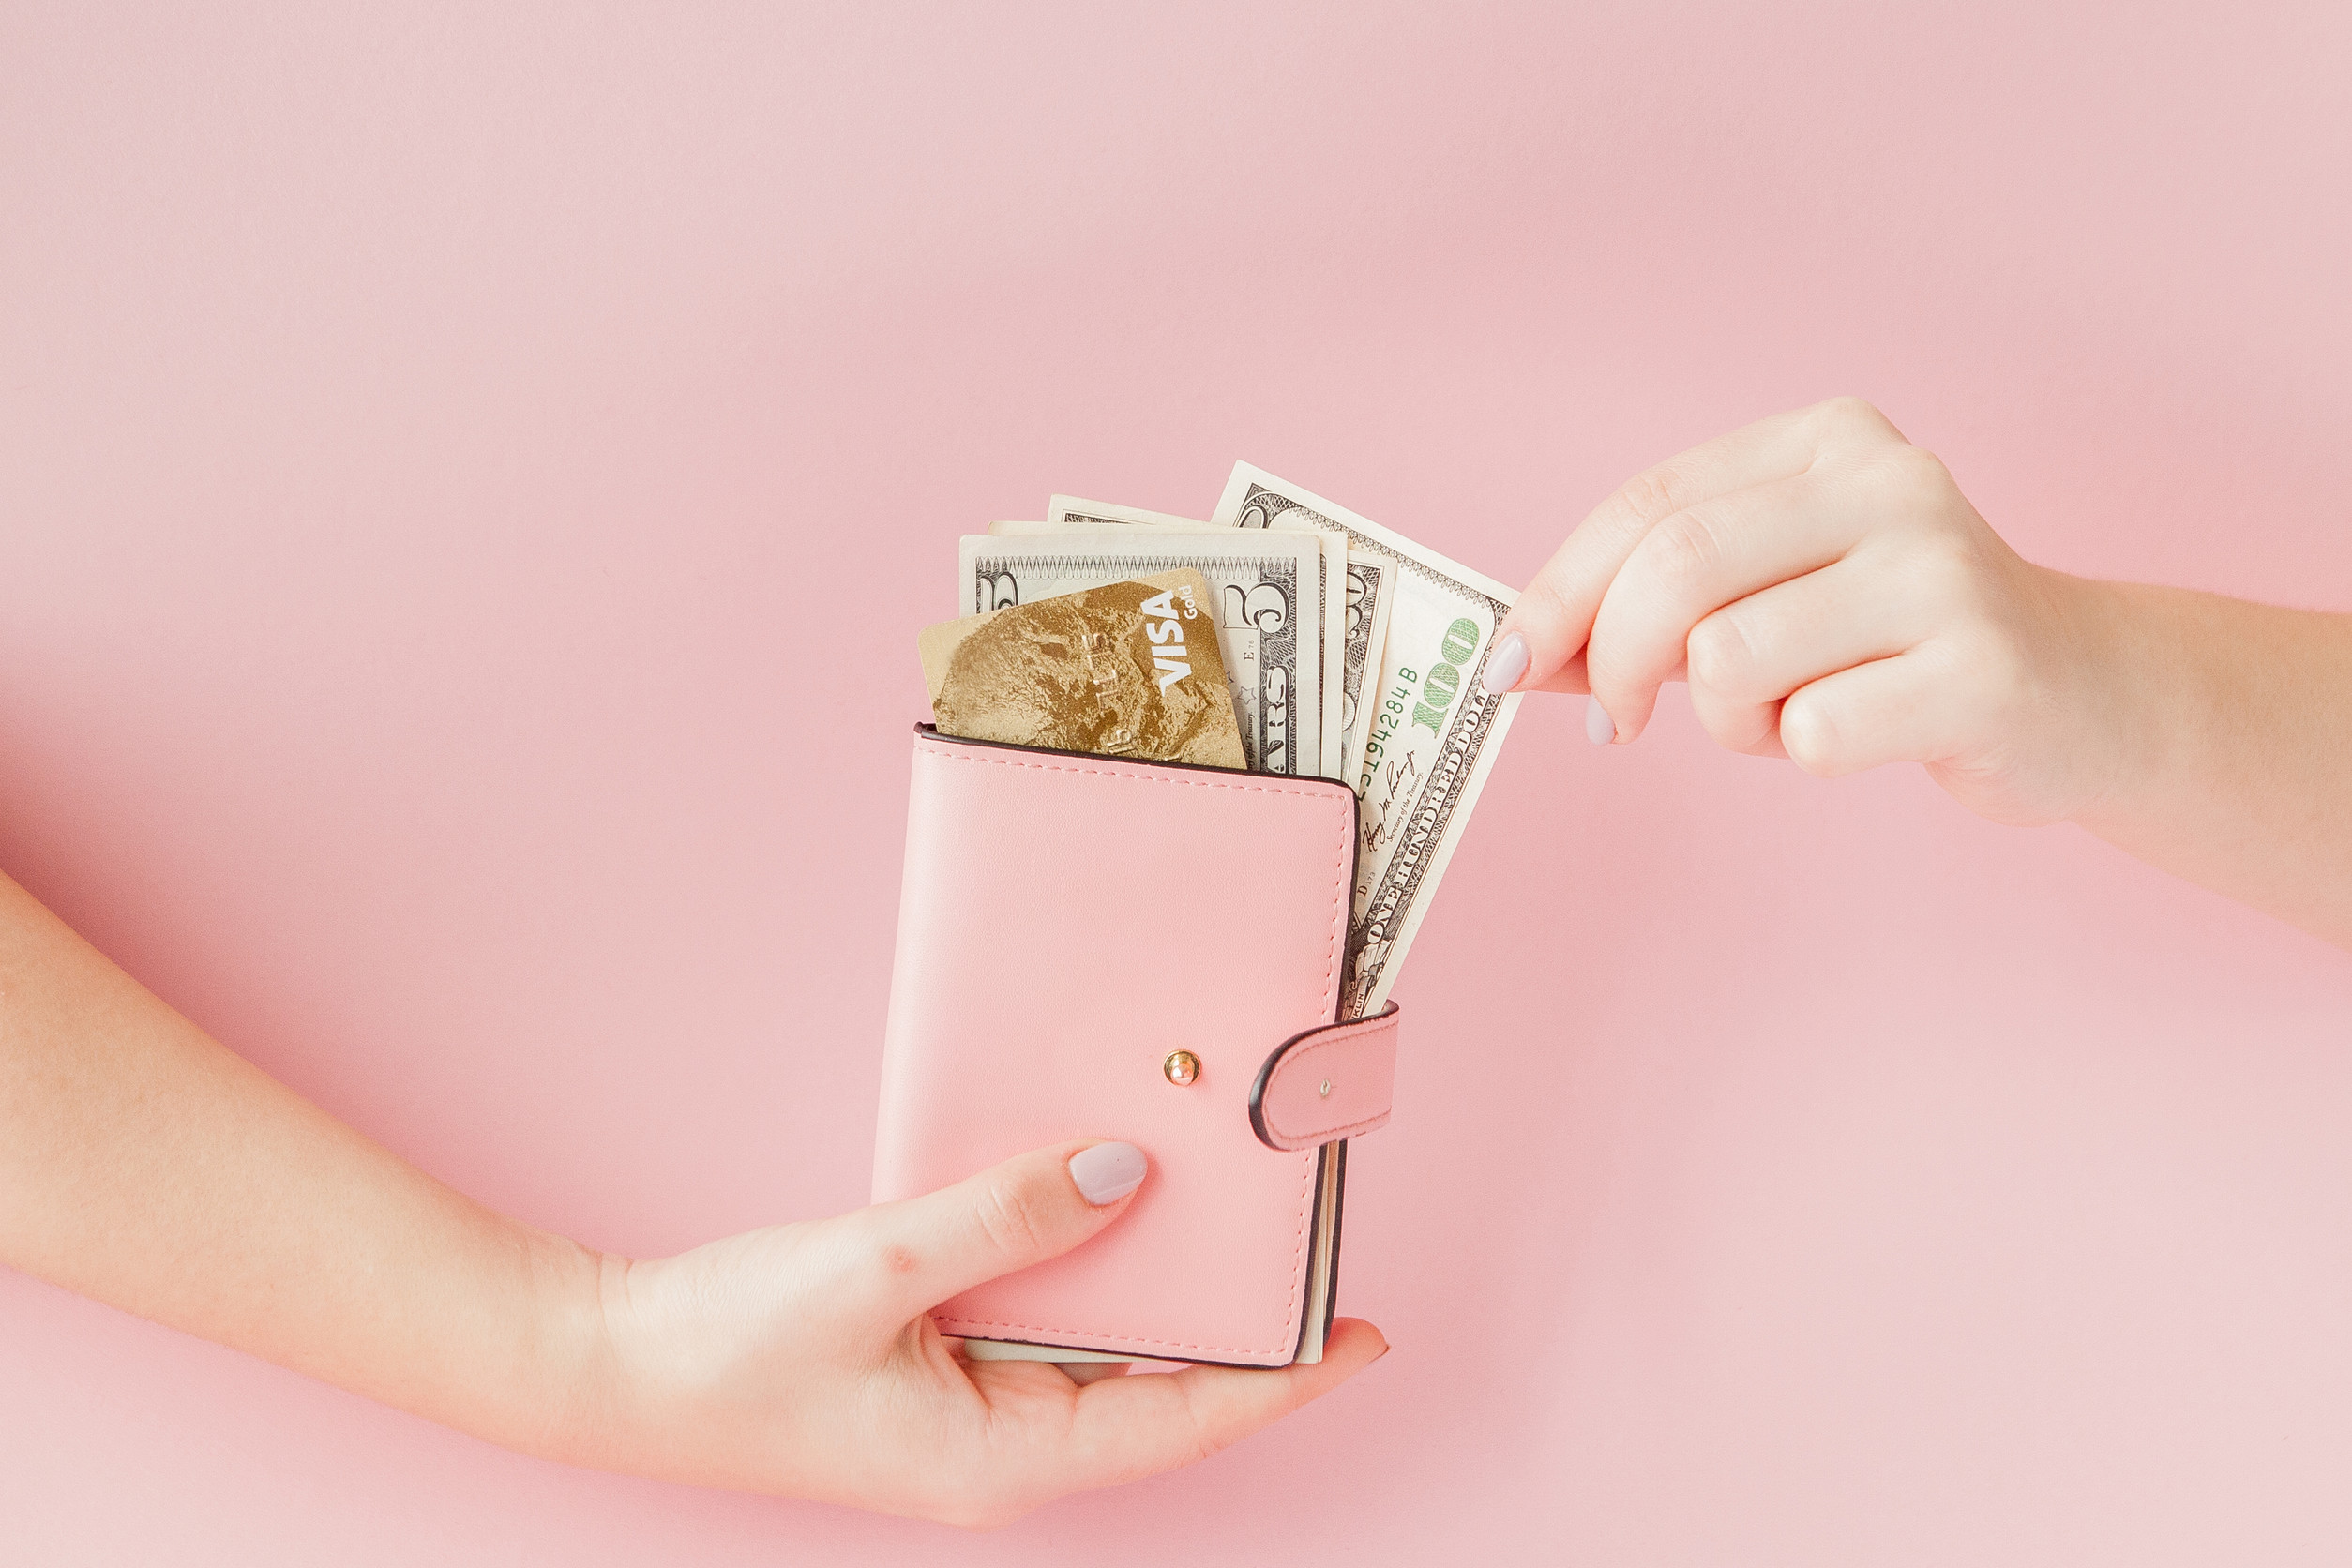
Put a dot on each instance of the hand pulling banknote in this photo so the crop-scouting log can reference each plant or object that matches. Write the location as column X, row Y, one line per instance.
column 1347, row 652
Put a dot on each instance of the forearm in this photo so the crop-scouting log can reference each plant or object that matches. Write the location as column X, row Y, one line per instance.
column 2234, row 724
column 142, row 1164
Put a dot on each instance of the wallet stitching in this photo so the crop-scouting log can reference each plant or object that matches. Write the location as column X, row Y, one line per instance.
column 1295, row 1141
column 1297, row 1054
column 962, row 756
column 1330, row 998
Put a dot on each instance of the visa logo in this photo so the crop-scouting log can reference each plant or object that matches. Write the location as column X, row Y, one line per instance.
column 1162, row 625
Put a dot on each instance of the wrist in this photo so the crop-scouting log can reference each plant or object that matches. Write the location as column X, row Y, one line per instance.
column 648, row 1388
column 565, row 1402
column 2139, row 698
column 628, row 1396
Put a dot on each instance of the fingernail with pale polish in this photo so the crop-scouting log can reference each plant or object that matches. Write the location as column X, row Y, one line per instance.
column 1108, row 1172
column 1597, row 726
column 1505, row 665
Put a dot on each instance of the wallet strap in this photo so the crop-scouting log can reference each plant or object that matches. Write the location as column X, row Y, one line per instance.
column 1328, row 1083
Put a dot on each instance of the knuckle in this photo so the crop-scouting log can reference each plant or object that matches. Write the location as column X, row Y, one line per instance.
column 1545, row 599
column 1610, row 665
column 1906, row 489
column 1719, row 651
column 1649, row 495
column 1919, row 472
column 1007, row 1213
column 1809, row 733
column 1851, row 416
column 1623, row 520
column 861, row 1274
column 1684, row 550
column 869, row 1266
column 1946, row 574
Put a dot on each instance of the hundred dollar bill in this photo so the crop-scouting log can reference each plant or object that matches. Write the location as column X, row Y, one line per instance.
column 1371, row 598
column 1431, row 730
column 1344, row 638
column 1264, row 590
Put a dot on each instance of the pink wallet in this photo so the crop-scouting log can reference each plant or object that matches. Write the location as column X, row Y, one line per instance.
column 1144, row 951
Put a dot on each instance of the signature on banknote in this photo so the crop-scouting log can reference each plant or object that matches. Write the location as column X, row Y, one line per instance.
column 1391, row 786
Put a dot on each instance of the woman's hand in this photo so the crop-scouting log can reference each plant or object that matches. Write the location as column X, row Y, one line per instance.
column 1831, row 597
column 802, row 1360
column 142, row 1164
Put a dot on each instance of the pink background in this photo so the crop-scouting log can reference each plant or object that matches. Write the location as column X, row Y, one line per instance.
column 469, row 484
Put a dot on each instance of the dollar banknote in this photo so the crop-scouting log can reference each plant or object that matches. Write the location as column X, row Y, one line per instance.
column 1370, row 598
column 1430, row 730
column 1370, row 603
column 1265, row 590
column 1362, row 632
column 1065, row 511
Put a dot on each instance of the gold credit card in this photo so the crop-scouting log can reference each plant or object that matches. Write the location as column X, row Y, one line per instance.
column 1131, row 669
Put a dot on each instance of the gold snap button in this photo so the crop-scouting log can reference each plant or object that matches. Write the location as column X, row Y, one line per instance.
column 1182, row 1068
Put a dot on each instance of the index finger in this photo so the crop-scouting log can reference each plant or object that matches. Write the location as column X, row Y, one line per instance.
column 1554, row 615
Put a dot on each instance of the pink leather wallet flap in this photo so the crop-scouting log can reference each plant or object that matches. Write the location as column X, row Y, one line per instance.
column 1327, row 1083
column 1066, row 926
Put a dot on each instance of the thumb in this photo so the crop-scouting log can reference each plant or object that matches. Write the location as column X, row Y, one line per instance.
column 1032, row 1207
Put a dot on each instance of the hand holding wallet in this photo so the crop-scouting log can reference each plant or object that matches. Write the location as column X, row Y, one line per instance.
column 800, row 1360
